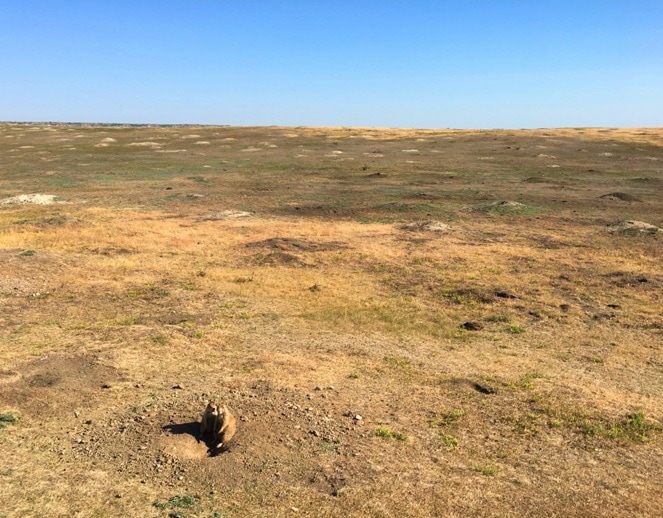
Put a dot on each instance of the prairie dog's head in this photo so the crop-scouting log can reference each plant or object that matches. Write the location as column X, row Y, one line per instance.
column 212, row 408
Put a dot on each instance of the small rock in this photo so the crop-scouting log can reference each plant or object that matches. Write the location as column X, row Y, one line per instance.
column 315, row 433
column 317, row 388
column 179, row 386
column 105, row 386
column 358, row 417
column 77, row 413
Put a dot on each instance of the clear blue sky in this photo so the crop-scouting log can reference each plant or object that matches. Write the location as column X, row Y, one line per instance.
column 434, row 64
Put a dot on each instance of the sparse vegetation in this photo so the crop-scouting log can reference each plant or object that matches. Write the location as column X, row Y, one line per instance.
column 447, row 417
column 330, row 446
column 449, row 441
column 489, row 470
column 8, row 418
column 382, row 431
column 502, row 317
column 177, row 501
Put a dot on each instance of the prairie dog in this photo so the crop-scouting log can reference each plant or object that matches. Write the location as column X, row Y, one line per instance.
column 226, row 425
column 210, row 419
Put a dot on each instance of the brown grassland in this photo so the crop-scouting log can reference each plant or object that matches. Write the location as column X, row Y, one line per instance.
column 404, row 322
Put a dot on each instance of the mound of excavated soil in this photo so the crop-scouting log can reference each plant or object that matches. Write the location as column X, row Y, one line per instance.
column 634, row 228
column 619, row 196
column 502, row 207
column 426, row 226
column 223, row 215
column 278, row 258
column 53, row 384
column 286, row 243
column 24, row 199
column 274, row 425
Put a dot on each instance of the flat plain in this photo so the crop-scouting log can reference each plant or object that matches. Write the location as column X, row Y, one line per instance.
column 404, row 322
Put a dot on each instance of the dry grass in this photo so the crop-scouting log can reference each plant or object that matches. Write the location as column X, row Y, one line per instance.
column 138, row 283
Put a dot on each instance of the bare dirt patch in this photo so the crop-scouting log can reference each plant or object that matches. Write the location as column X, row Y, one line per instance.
column 53, row 385
column 26, row 199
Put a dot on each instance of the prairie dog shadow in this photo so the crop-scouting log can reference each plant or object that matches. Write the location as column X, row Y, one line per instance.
column 193, row 429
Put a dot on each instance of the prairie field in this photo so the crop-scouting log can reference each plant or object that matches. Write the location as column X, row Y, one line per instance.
column 404, row 322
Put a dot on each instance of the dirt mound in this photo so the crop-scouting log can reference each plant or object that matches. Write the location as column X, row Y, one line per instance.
column 32, row 273
column 634, row 228
column 426, row 226
column 282, row 435
column 503, row 207
column 55, row 384
column 302, row 245
column 33, row 199
column 278, row 259
column 619, row 196
column 226, row 214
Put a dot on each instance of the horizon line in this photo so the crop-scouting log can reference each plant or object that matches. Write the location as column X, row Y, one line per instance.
column 312, row 126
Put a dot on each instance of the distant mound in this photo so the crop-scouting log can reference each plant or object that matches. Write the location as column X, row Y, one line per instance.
column 426, row 226
column 226, row 214
column 619, row 196
column 34, row 199
column 504, row 207
column 634, row 228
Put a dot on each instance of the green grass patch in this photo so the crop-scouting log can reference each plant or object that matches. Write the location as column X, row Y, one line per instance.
column 177, row 501
column 632, row 427
column 381, row 431
column 447, row 417
column 148, row 293
column 160, row 339
column 129, row 320
column 330, row 446
column 448, row 441
column 7, row 419
column 502, row 317
column 526, row 381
